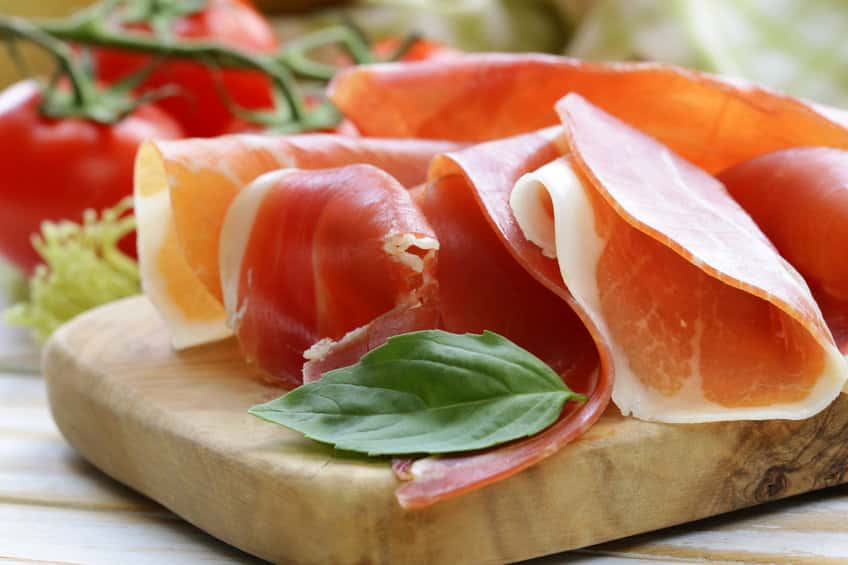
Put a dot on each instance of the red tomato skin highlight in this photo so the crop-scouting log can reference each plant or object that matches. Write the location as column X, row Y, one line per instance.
column 55, row 169
column 199, row 108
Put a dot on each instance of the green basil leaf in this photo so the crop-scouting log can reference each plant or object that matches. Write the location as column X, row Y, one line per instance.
column 427, row 392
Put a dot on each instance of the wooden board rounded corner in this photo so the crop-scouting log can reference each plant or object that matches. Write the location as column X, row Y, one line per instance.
column 174, row 426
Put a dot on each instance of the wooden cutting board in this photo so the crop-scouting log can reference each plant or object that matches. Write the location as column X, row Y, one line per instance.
column 175, row 427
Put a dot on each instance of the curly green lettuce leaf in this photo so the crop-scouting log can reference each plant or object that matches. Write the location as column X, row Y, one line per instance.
column 83, row 268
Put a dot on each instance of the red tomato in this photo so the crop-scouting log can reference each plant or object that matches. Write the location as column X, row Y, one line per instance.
column 55, row 169
column 199, row 107
column 421, row 50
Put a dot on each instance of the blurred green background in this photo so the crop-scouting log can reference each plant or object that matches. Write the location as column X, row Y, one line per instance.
column 797, row 46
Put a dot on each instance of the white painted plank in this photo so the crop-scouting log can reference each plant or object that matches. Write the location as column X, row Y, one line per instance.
column 24, row 410
column 807, row 529
column 18, row 353
column 580, row 558
column 45, row 470
column 91, row 537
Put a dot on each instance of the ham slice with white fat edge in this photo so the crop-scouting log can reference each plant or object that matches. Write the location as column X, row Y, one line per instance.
column 491, row 277
column 183, row 190
column 308, row 257
column 623, row 265
column 694, row 315
column 705, row 320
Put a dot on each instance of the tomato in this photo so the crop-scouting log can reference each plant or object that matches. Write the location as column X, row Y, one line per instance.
column 199, row 108
column 55, row 169
column 421, row 50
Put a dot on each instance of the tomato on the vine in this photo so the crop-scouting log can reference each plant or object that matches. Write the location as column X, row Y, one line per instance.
column 54, row 169
column 420, row 50
column 198, row 106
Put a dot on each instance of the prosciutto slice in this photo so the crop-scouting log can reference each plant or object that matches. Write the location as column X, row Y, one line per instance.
column 184, row 189
column 799, row 198
column 704, row 319
column 309, row 256
column 670, row 285
column 609, row 252
column 712, row 121
column 491, row 277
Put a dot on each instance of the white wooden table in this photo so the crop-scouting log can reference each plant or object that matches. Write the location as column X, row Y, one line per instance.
column 56, row 508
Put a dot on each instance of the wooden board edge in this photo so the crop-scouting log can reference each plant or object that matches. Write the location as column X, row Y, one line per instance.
column 778, row 459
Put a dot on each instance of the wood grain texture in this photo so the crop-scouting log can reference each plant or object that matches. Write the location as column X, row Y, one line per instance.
column 57, row 508
column 806, row 529
column 174, row 426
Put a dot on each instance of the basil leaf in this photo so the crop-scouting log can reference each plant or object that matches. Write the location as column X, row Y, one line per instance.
column 427, row 392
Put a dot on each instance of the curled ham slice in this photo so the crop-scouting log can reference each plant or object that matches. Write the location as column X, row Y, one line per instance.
column 491, row 277
column 436, row 478
column 686, row 301
column 704, row 319
column 712, row 121
column 309, row 256
column 183, row 191
column 518, row 291
column 228, row 164
column 603, row 250
column 799, row 198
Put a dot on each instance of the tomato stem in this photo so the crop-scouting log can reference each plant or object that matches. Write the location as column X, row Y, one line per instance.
column 17, row 27
column 405, row 45
column 98, row 26
column 295, row 53
column 92, row 32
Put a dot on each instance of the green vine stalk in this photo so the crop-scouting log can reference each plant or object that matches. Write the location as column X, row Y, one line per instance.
column 96, row 27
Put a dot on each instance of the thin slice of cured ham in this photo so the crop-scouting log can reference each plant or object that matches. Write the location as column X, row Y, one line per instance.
column 704, row 319
column 665, row 295
column 309, row 258
column 491, row 277
column 799, row 198
column 183, row 190
column 712, row 121
column 192, row 314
